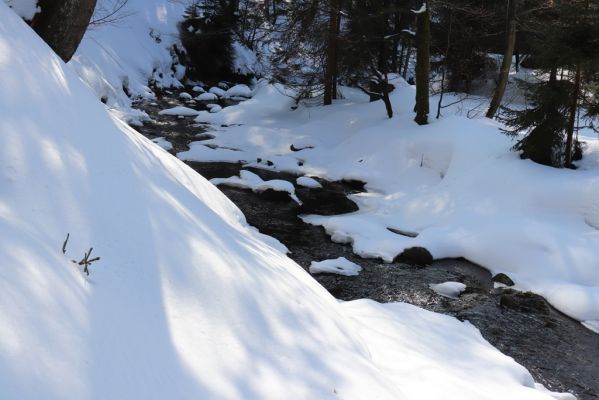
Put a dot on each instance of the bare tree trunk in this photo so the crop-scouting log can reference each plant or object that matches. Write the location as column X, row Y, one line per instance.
column 507, row 59
column 331, row 60
column 62, row 24
column 406, row 65
column 572, row 120
column 422, row 66
column 336, row 68
column 444, row 73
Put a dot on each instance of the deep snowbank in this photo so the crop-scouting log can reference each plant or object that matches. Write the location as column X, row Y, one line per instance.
column 455, row 182
column 187, row 301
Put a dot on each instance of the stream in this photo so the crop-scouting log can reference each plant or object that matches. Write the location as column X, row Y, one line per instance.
column 558, row 351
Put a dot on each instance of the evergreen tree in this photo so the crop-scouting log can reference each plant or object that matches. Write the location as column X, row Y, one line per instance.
column 206, row 35
column 567, row 39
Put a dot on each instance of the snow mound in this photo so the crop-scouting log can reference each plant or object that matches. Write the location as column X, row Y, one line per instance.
column 217, row 91
column 207, row 97
column 448, row 289
column 185, row 96
column 249, row 180
column 308, row 182
column 179, row 111
column 238, row 91
column 339, row 266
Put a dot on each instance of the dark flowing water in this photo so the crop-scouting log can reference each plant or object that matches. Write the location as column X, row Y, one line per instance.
column 558, row 351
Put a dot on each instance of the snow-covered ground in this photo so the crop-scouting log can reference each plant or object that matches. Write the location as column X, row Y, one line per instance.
column 455, row 182
column 187, row 301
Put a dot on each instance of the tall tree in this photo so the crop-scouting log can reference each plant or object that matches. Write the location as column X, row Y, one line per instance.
column 422, row 64
column 331, row 57
column 512, row 6
column 63, row 23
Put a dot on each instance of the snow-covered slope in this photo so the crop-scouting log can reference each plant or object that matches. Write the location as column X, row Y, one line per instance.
column 186, row 302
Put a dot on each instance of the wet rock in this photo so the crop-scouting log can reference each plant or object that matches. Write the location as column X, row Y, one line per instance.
column 415, row 256
column 503, row 278
column 324, row 203
column 525, row 302
column 275, row 195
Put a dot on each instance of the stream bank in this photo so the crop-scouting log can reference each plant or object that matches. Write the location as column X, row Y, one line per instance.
column 558, row 351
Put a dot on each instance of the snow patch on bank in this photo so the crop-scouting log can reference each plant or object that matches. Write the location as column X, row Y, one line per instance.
column 249, row 180
column 339, row 266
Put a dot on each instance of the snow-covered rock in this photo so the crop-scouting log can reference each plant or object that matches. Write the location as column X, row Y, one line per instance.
column 238, row 91
column 179, row 111
column 339, row 266
column 448, row 289
column 207, row 97
column 185, row 96
column 308, row 182
column 217, row 91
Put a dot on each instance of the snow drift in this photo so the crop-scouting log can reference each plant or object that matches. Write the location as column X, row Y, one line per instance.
column 187, row 301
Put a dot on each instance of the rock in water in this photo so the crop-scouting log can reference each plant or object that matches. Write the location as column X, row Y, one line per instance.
column 503, row 278
column 415, row 256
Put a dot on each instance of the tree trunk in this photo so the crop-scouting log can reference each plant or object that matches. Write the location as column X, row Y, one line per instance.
column 422, row 66
column 62, row 24
column 572, row 120
column 507, row 59
column 331, row 60
column 336, row 67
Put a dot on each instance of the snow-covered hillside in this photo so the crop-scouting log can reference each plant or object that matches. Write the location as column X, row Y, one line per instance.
column 187, row 301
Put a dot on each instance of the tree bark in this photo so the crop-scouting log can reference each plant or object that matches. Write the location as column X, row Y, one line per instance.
column 422, row 66
column 507, row 59
column 62, row 24
column 331, row 60
column 572, row 120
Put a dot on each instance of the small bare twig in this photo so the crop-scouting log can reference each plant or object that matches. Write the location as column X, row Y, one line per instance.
column 64, row 245
column 86, row 261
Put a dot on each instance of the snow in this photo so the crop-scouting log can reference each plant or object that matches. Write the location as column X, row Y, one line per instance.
column 339, row 266
column 434, row 356
column 135, row 48
column 24, row 8
column 217, row 91
column 592, row 325
column 249, row 180
column 198, row 89
column 163, row 143
column 179, row 111
column 421, row 10
column 238, row 91
column 214, row 108
column 308, row 182
column 185, row 96
column 207, row 97
column 448, row 289
column 454, row 182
